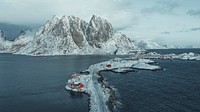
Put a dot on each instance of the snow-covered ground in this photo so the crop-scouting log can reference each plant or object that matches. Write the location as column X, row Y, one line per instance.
column 183, row 56
column 99, row 93
column 70, row 35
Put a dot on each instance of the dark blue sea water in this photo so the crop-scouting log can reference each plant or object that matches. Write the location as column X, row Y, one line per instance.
column 36, row 84
column 175, row 89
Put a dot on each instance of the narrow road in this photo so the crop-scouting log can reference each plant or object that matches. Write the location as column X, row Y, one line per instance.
column 98, row 92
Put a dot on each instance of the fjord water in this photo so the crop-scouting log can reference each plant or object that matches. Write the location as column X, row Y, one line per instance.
column 36, row 84
column 174, row 89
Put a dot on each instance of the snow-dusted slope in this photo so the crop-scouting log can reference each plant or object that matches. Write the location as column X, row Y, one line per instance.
column 2, row 40
column 154, row 55
column 98, row 31
column 22, row 40
column 144, row 44
column 4, row 44
column 52, row 38
column 71, row 35
column 13, row 46
column 118, row 44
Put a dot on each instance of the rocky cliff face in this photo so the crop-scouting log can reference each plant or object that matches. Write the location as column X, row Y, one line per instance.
column 72, row 35
column 70, row 27
column 4, row 44
column 2, row 36
column 22, row 40
column 98, row 31
column 2, row 39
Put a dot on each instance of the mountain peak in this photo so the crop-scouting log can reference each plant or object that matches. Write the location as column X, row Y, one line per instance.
column 99, row 30
column 95, row 17
column 55, row 17
column 72, row 35
column 97, row 20
column 2, row 36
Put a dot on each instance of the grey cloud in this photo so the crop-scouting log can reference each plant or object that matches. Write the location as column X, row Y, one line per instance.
column 191, row 29
column 194, row 12
column 120, row 28
column 161, row 7
column 118, row 12
column 165, row 33
column 195, row 29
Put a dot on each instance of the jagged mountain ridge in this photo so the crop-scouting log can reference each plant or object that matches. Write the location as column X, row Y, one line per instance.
column 71, row 35
column 145, row 44
column 2, row 40
column 22, row 40
column 99, row 30
column 4, row 44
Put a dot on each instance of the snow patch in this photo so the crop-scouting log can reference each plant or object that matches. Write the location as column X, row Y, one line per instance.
column 183, row 56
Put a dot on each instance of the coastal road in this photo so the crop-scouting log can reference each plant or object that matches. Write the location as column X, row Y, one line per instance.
column 98, row 91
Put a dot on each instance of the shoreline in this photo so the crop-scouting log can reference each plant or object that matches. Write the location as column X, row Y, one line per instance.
column 102, row 96
column 112, row 100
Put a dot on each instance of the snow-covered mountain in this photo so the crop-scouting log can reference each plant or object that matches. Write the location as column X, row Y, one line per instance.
column 72, row 35
column 2, row 40
column 145, row 44
column 4, row 44
column 22, row 40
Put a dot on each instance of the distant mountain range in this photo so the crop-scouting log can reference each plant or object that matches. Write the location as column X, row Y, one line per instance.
column 145, row 44
column 148, row 44
column 70, row 35
column 12, row 31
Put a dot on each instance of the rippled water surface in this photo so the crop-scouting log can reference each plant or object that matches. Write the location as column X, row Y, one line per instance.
column 175, row 89
column 36, row 84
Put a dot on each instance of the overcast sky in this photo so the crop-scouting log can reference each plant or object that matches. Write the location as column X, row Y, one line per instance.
column 168, row 21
